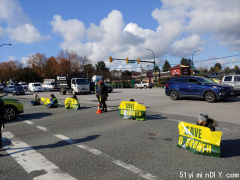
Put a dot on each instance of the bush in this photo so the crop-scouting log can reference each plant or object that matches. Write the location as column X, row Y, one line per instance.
column 163, row 80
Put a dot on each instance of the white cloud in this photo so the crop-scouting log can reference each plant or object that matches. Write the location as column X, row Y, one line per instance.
column 11, row 58
column 182, row 26
column 24, row 60
column 185, row 47
column 26, row 34
column 19, row 27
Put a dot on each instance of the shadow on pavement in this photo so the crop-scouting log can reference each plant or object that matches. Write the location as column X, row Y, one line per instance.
column 230, row 148
column 155, row 117
column 30, row 116
column 7, row 142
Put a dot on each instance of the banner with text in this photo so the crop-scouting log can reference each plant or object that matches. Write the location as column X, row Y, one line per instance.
column 199, row 139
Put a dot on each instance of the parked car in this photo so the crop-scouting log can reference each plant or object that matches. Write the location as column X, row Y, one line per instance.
column 9, row 88
column 18, row 90
column 49, row 86
column 92, row 87
column 1, row 88
column 3, row 84
column 143, row 84
column 232, row 80
column 13, row 107
column 197, row 86
column 109, row 87
column 35, row 87
column 24, row 85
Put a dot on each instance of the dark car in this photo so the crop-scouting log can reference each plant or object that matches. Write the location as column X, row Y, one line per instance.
column 197, row 86
column 18, row 90
column 92, row 87
column 109, row 87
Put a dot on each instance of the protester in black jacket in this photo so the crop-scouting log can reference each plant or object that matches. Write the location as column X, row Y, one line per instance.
column 204, row 120
column 2, row 115
column 103, row 94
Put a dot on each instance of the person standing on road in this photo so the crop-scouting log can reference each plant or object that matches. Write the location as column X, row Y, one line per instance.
column 36, row 100
column 54, row 102
column 2, row 115
column 97, row 90
column 103, row 96
column 203, row 120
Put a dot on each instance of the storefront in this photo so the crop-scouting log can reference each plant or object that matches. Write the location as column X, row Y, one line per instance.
column 179, row 70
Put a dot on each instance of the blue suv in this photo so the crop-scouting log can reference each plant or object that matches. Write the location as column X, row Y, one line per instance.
column 197, row 86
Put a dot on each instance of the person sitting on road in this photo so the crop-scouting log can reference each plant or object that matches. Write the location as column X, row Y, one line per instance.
column 36, row 100
column 97, row 91
column 203, row 120
column 132, row 100
column 54, row 102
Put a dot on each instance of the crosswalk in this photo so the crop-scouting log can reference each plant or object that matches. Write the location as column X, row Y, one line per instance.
column 31, row 160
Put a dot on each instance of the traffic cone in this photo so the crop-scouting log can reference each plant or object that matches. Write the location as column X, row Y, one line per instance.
column 98, row 110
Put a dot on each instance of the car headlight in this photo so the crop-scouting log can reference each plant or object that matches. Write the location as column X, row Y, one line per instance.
column 217, row 87
column 19, row 102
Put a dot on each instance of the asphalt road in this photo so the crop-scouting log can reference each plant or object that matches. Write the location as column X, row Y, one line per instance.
column 80, row 144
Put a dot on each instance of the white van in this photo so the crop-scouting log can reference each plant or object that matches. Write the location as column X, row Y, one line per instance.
column 35, row 87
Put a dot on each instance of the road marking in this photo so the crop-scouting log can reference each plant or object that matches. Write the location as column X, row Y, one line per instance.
column 42, row 128
column 65, row 138
column 113, row 160
column 28, row 122
column 31, row 160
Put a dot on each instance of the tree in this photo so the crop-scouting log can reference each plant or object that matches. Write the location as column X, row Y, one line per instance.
column 166, row 66
column 88, row 70
column 227, row 68
column 236, row 67
column 71, row 63
column 217, row 67
column 185, row 61
column 38, row 63
column 211, row 69
column 156, row 68
column 126, row 75
column 29, row 75
column 51, row 68
column 101, row 69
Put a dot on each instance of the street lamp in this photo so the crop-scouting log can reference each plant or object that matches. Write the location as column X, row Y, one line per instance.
column 192, row 59
column 154, row 67
column 6, row 44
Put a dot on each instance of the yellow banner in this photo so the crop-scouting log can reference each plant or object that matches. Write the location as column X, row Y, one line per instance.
column 199, row 139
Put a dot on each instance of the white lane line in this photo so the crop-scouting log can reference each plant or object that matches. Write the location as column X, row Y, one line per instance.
column 28, row 122
column 65, row 138
column 42, row 128
column 31, row 160
column 113, row 160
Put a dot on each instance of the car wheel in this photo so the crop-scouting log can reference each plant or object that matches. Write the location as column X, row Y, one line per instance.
column 136, row 87
column 150, row 87
column 174, row 95
column 11, row 113
column 210, row 97
column 145, row 87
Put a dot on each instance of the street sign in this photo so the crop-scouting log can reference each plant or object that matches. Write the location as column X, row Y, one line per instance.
column 150, row 74
column 129, row 61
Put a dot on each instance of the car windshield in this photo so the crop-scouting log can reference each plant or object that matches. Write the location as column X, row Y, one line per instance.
column 205, row 80
column 82, row 81
column 10, row 86
column 24, row 84
column 18, row 87
column 37, row 85
column 52, row 84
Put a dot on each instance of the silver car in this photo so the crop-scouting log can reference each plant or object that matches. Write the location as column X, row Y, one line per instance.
column 232, row 80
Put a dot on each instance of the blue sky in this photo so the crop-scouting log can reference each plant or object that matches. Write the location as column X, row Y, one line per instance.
column 122, row 28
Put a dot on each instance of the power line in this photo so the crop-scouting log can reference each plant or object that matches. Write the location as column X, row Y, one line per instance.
column 218, row 58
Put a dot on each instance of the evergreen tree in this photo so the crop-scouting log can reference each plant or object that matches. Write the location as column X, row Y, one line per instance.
column 236, row 67
column 217, row 67
column 185, row 61
column 166, row 66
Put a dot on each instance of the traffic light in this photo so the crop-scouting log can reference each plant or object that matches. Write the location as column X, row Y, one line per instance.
column 138, row 61
column 127, row 60
column 110, row 58
column 191, row 71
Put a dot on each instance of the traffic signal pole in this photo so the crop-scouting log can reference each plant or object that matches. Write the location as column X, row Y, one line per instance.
column 138, row 61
